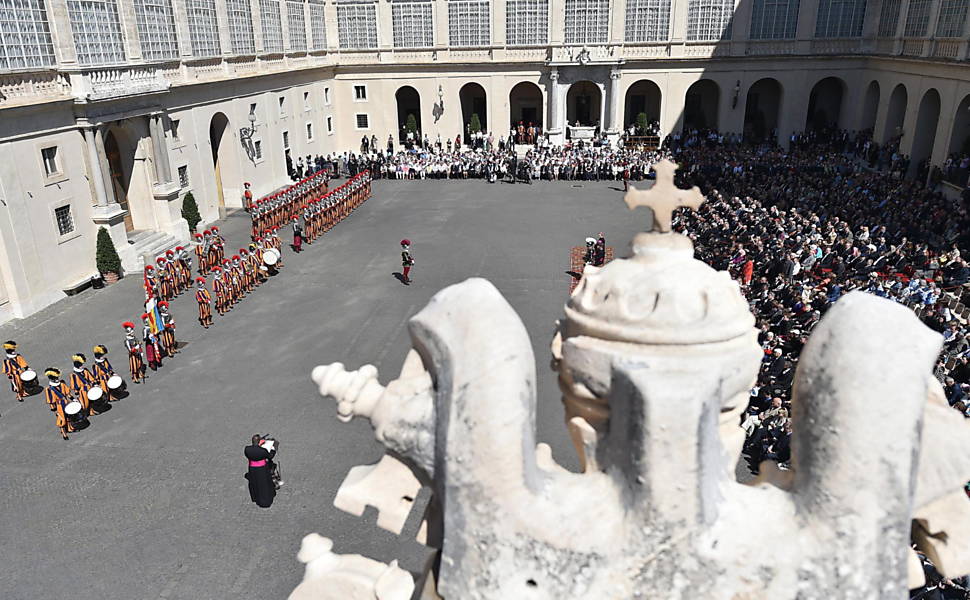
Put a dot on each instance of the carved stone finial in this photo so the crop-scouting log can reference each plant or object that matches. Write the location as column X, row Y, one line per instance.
column 664, row 197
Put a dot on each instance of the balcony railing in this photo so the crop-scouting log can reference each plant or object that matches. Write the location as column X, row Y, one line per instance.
column 32, row 87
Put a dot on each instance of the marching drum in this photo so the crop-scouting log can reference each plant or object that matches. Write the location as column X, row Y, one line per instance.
column 97, row 398
column 29, row 378
column 115, row 383
column 271, row 256
column 75, row 415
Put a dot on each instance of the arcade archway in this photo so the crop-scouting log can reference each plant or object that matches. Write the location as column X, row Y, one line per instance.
column 960, row 134
column 584, row 104
column 927, row 120
column 761, row 110
column 474, row 109
column 825, row 104
column 895, row 113
column 408, row 115
column 525, row 105
column 700, row 105
column 642, row 98
column 870, row 107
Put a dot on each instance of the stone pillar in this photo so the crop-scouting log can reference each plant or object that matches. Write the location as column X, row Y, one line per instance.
column 741, row 28
column 105, row 170
column 870, row 24
column 617, row 32
column 106, row 212
column 613, row 118
column 182, row 28
column 257, row 25
column 385, row 25
column 163, row 170
column 94, row 166
column 129, row 30
column 555, row 126
column 61, row 32
column 557, row 22
column 222, row 19
column 805, row 28
column 900, row 27
column 678, row 27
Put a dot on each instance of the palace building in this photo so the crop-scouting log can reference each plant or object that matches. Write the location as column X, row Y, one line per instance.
column 111, row 111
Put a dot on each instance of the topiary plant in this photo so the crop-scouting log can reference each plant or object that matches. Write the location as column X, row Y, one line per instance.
column 642, row 123
column 411, row 125
column 474, row 124
column 107, row 258
column 190, row 211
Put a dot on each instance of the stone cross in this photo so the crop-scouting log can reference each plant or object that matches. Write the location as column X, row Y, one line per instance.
column 664, row 197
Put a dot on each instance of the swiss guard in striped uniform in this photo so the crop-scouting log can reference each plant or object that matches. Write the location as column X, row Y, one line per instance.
column 82, row 380
column 58, row 395
column 14, row 364
column 135, row 361
column 166, row 332
column 153, row 351
column 102, row 369
column 199, row 242
column 219, row 289
column 204, row 299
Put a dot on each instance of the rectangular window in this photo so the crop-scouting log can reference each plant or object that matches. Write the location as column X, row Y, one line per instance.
column 241, row 39
column 774, row 19
column 889, row 18
column 296, row 21
column 97, row 32
column 184, row 176
column 953, row 18
column 203, row 28
column 329, row 124
column 587, row 22
column 360, row 93
column 258, row 150
column 174, row 127
column 309, row 132
column 363, row 122
column 64, row 218
column 917, row 18
column 156, row 29
column 269, row 16
column 306, row 101
column 647, row 20
column 326, row 96
column 709, row 20
column 840, row 18
column 282, row 105
column 469, row 23
column 49, row 156
column 286, row 140
column 25, row 35
column 357, row 25
column 527, row 22
column 412, row 26
column 318, row 25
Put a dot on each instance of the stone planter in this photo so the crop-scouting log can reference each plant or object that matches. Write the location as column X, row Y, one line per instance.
column 110, row 277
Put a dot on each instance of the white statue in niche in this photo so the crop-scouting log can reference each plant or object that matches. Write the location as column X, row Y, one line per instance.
column 656, row 355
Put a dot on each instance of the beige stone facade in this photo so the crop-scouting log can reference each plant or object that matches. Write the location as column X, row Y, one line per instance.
column 166, row 109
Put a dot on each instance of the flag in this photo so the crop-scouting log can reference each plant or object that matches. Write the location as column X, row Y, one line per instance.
column 154, row 317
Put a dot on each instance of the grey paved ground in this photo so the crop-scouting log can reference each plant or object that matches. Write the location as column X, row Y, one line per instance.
column 150, row 501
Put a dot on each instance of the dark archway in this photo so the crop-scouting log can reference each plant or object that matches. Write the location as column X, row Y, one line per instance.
column 643, row 97
column 895, row 114
column 408, row 115
column 701, row 104
column 870, row 107
column 927, row 121
column 584, row 103
column 120, row 156
column 525, row 105
column 761, row 110
column 473, row 101
column 217, row 133
column 825, row 104
column 960, row 134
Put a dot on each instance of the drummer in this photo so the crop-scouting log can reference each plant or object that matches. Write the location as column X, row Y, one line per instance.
column 14, row 365
column 58, row 396
column 103, row 371
column 83, row 380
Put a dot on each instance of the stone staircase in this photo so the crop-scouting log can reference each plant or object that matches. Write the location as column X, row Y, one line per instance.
column 144, row 243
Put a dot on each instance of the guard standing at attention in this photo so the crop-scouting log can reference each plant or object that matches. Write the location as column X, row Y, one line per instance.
column 167, row 334
column 135, row 361
column 407, row 261
column 204, row 298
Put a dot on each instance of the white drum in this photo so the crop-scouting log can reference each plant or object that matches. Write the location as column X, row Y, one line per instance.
column 114, row 382
column 72, row 408
column 28, row 376
column 95, row 393
column 271, row 256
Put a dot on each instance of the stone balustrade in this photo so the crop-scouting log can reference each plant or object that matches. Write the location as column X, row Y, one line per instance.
column 947, row 49
column 837, row 46
column 32, row 87
column 770, row 47
column 914, row 47
column 103, row 83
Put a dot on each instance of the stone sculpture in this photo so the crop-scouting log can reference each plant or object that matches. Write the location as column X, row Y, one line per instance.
column 656, row 355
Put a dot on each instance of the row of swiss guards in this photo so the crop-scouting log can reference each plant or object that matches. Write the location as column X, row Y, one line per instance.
column 321, row 214
column 275, row 210
column 170, row 276
column 239, row 276
column 210, row 249
column 156, row 342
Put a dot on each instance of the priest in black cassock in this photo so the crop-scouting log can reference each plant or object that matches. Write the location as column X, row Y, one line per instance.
column 262, row 490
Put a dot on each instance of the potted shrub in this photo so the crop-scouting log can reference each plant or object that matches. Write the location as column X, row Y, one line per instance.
column 190, row 211
column 108, row 262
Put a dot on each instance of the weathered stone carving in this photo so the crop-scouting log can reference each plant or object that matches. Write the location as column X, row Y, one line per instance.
column 656, row 356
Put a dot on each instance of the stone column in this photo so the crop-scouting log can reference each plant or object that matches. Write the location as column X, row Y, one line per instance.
column 678, row 27
column 163, row 170
column 901, row 27
column 182, row 28
column 222, row 20
column 555, row 128
column 106, row 212
column 129, row 29
column 741, row 28
column 94, row 165
column 105, row 169
column 61, row 32
column 612, row 119
column 385, row 25
column 870, row 24
column 805, row 28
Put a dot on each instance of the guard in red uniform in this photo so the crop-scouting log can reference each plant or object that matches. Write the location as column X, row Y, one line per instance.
column 204, row 299
column 167, row 334
column 135, row 361
column 407, row 261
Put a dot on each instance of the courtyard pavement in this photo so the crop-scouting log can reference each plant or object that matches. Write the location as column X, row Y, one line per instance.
column 150, row 501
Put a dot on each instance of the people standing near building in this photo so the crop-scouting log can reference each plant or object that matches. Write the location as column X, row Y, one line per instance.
column 58, row 396
column 204, row 298
column 136, row 363
column 14, row 365
column 407, row 261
